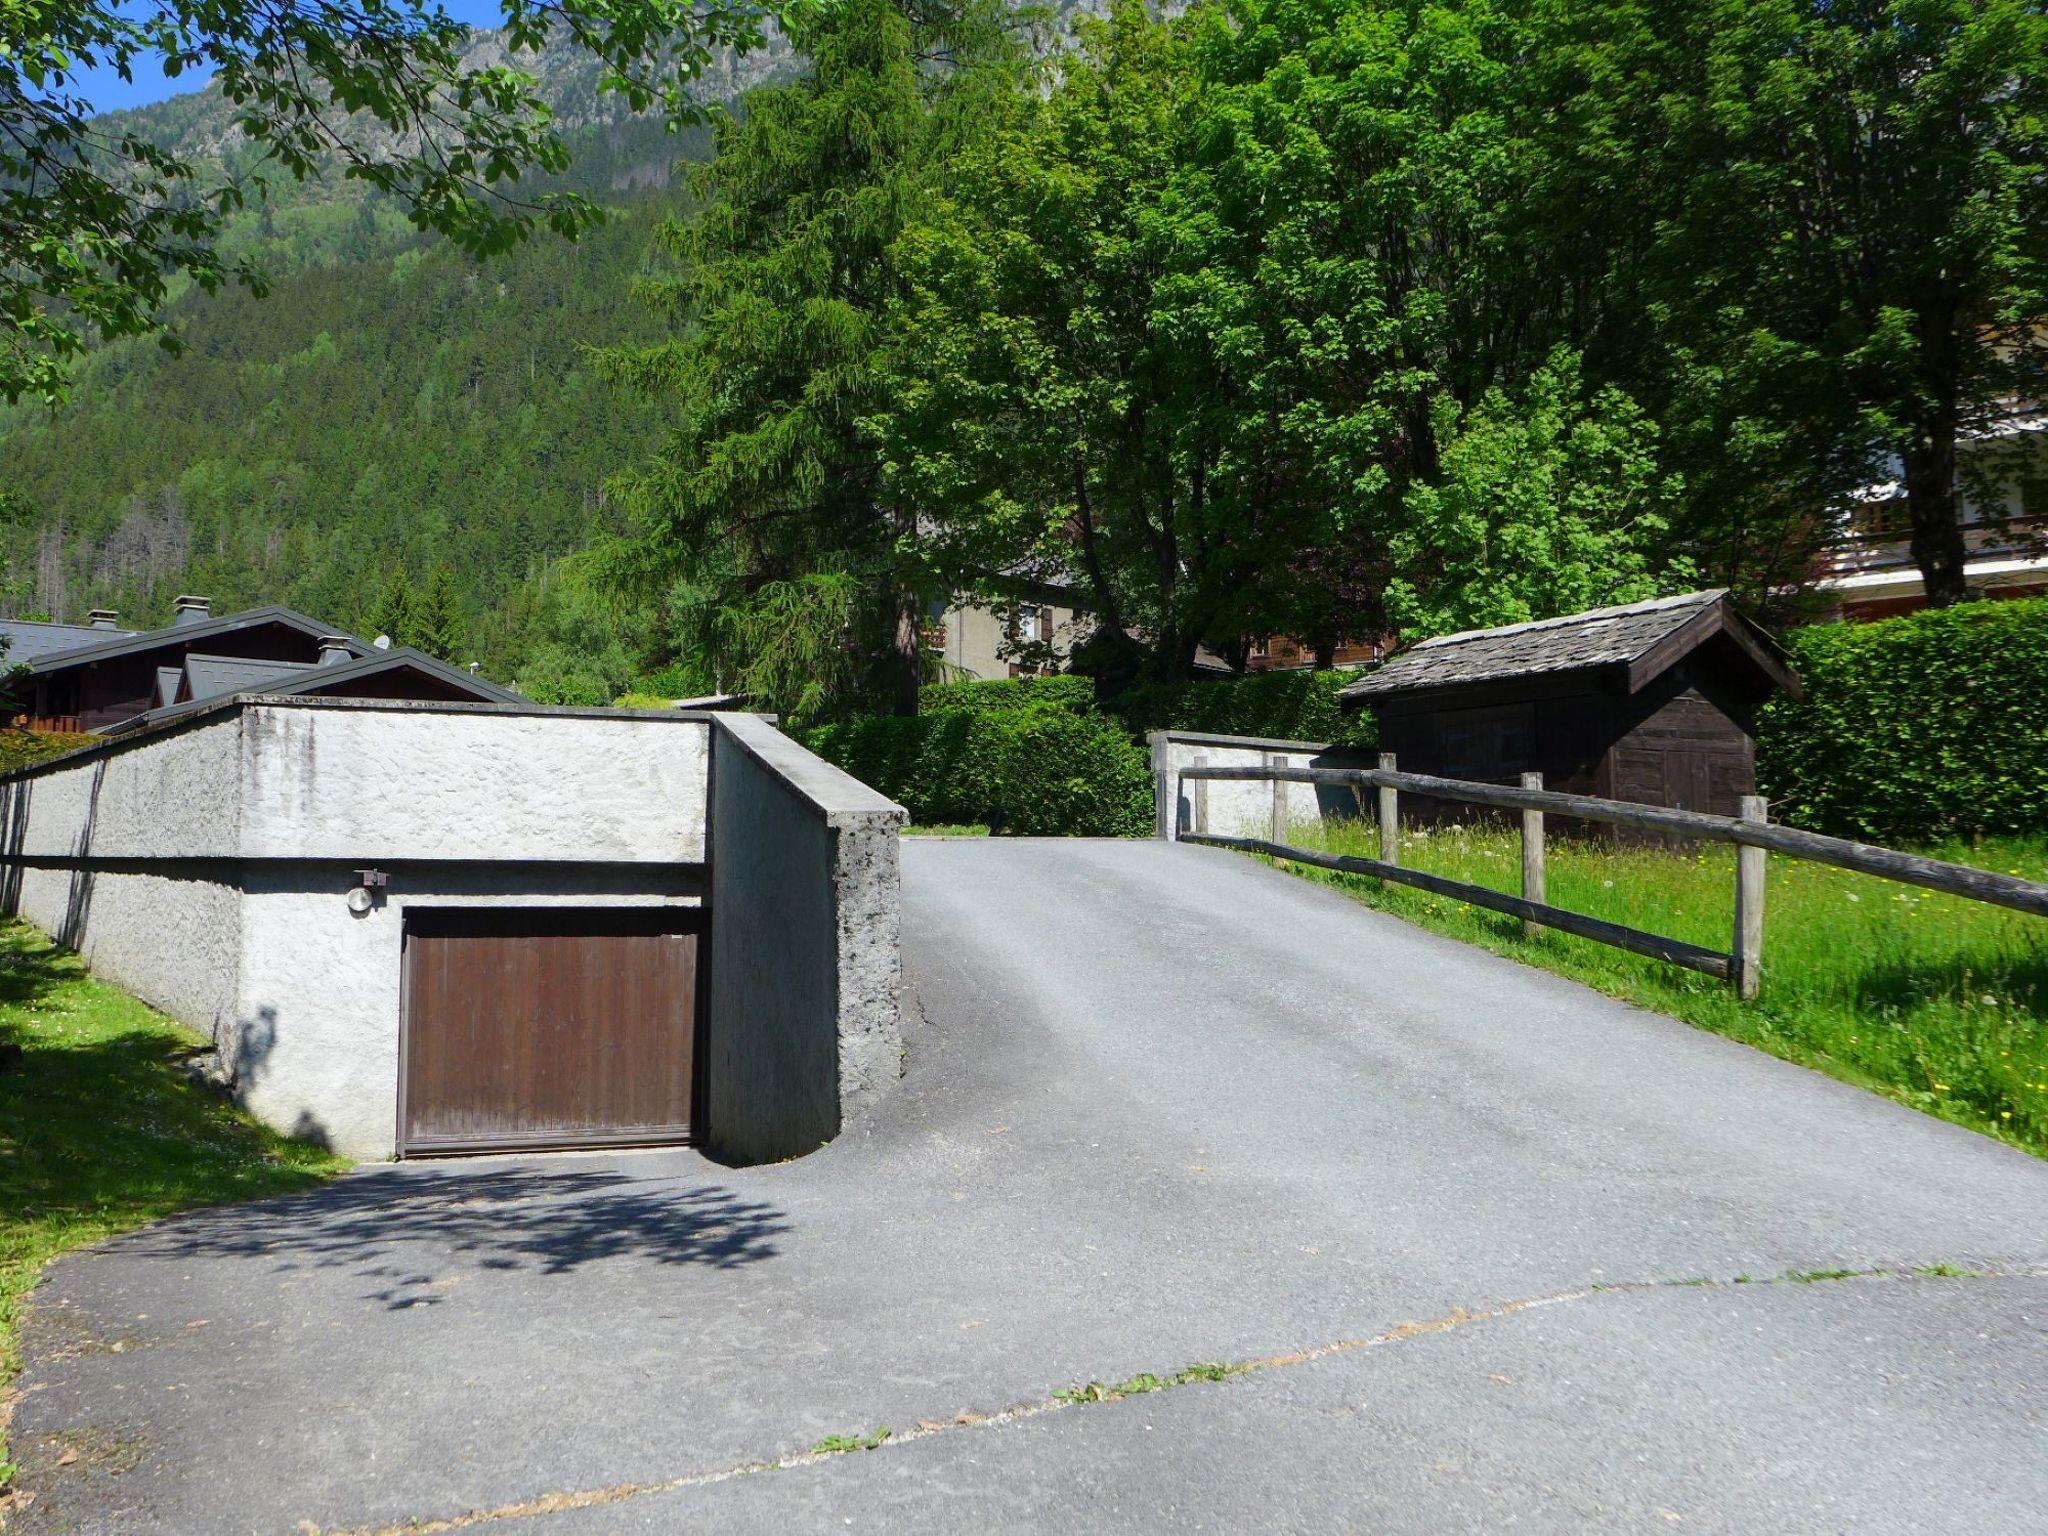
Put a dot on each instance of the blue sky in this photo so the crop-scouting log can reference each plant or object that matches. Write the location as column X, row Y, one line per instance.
column 108, row 92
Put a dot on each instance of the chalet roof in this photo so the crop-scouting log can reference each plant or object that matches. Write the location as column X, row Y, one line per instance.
column 209, row 677
column 285, row 679
column 105, row 644
column 1640, row 639
column 29, row 640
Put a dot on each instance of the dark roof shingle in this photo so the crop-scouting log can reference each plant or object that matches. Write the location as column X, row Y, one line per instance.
column 1596, row 638
column 208, row 677
column 31, row 640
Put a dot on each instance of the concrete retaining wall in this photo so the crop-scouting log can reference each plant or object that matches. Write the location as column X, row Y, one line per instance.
column 206, row 868
column 1244, row 808
column 805, row 972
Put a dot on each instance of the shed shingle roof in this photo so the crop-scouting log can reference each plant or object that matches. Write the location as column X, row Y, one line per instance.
column 1599, row 637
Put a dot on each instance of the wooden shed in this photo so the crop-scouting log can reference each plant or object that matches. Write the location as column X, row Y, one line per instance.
column 1653, row 702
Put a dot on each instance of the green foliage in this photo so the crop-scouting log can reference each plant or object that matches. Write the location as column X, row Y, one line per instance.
column 99, row 221
column 392, row 615
column 1547, row 502
column 768, row 504
column 1060, row 689
column 793, row 645
column 1282, row 706
column 840, row 1445
column 1244, row 325
column 439, row 425
column 585, row 644
column 1810, row 240
column 1928, row 725
column 437, row 626
column 20, row 748
column 1035, row 771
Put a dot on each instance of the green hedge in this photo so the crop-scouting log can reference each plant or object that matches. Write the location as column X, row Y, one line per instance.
column 1037, row 771
column 1290, row 706
column 1064, row 689
column 1930, row 725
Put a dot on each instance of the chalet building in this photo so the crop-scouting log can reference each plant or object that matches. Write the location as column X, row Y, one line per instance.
column 1283, row 653
column 974, row 642
column 1867, row 571
column 1653, row 702
column 100, row 677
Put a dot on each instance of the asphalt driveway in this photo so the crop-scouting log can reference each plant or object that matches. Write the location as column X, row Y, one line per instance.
column 1496, row 1250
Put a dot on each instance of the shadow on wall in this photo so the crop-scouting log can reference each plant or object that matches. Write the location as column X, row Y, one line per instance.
column 15, row 800
column 13, row 838
column 78, row 900
column 255, row 1039
column 399, row 1231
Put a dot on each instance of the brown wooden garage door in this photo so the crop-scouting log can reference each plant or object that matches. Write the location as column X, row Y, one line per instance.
column 547, row 1028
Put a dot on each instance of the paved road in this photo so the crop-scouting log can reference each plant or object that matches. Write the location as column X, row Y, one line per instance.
column 1164, row 1107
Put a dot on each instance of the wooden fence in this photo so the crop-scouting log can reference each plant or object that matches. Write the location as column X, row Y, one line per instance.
column 1753, row 835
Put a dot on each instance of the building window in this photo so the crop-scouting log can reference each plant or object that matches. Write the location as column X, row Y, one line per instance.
column 2034, row 495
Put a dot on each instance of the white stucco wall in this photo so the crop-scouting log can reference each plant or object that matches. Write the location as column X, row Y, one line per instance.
column 1238, row 808
column 453, row 784
column 95, row 862
column 206, row 868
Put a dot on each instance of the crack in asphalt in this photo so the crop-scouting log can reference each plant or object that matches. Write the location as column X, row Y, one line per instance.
column 1075, row 1398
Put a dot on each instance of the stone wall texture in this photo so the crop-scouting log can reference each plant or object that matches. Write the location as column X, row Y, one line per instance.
column 803, row 1026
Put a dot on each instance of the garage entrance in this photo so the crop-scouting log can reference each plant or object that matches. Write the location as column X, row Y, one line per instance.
column 531, row 1027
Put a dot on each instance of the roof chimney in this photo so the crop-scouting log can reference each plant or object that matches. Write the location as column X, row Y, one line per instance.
column 103, row 618
column 193, row 610
column 334, row 650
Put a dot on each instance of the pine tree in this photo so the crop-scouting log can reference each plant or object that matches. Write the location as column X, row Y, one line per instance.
column 396, row 608
column 437, row 616
column 771, row 517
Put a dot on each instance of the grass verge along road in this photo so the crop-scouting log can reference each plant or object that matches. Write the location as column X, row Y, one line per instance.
column 1935, row 1001
column 99, row 1129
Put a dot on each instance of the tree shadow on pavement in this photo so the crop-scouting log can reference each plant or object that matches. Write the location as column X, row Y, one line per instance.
column 401, row 1231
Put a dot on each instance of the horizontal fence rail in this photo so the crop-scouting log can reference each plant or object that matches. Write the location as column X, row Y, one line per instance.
column 1751, row 833
column 1864, row 858
column 1678, row 952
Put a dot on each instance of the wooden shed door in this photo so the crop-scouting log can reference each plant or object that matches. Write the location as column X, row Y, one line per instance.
column 548, row 1028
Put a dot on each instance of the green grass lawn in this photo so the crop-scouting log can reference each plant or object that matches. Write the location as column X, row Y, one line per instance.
column 1932, row 1000
column 100, row 1131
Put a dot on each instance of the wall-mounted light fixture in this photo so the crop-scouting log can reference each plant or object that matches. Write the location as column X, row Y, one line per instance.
column 364, row 896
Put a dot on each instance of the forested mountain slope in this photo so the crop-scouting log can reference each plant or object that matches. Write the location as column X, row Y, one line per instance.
column 388, row 406
column 391, row 412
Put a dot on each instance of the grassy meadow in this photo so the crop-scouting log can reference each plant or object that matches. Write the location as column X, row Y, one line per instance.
column 99, row 1129
column 1932, row 1000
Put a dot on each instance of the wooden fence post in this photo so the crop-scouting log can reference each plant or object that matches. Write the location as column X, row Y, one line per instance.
column 1390, row 815
column 1165, row 813
column 1532, row 855
column 1749, row 905
column 1279, row 824
column 1198, row 795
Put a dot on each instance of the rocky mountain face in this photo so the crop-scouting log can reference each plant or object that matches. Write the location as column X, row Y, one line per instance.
column 631, row 149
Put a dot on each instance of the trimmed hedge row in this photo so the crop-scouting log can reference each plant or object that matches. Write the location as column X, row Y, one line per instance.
column 1289, row 706
column 1034, row 771
column 1930, row 725
column 1064, row 689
